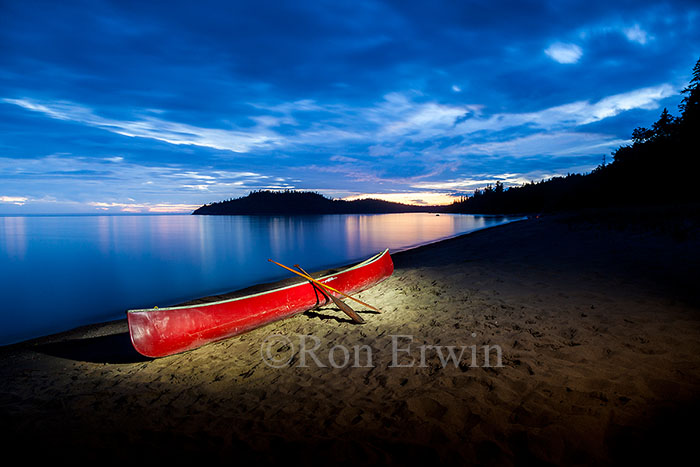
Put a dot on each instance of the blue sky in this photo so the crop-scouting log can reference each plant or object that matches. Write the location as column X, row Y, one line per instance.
column 163, row 106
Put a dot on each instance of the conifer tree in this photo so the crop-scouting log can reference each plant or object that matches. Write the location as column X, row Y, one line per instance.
column 690, row 106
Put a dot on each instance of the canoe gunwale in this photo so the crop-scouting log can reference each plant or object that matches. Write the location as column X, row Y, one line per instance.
column 244, row 297
column 159, row 332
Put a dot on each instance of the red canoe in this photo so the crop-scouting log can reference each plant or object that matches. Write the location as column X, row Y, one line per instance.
column 158, row 332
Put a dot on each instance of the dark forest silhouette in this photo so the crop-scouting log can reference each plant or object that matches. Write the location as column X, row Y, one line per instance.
column 304, row 202
column 659, row 167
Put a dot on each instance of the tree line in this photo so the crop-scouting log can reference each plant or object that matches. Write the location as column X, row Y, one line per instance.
column 659, row 167
column 290, row 202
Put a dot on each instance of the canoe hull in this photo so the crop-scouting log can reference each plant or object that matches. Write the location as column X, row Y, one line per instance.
column 165, row 331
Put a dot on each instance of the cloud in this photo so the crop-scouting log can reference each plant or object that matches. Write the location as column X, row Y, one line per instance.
column 18, row 200
column 157, row 208
column 550, row 144
column 463, row 185
column 339, row 158
column 176, row 104
column 564, row 52
column 574, row 113
column 410, row 197
column 636, row 34
column 156, row 128
column 398, row 116
column 646, row 98
column 68, row 180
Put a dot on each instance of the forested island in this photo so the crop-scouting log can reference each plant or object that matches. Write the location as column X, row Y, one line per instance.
column 291, row 202
column 660, row 167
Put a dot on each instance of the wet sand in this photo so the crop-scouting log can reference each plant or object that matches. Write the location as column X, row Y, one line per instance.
column 597, row 321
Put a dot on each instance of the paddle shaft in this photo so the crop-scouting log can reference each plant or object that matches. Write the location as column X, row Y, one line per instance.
column 309, row 278
column 344, row 307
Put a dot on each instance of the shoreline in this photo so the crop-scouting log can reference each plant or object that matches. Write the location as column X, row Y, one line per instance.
column 516, row 218
column 598, row 324
column 89, row 329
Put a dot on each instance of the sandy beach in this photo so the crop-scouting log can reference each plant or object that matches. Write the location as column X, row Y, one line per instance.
column 592, row 326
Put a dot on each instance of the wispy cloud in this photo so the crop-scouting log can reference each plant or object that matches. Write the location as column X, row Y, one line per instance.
column 158, row 208
column 409, row 197
column 574, row 113
column 398, row 116
column 467, row 184
column 551, row 144
column 155, row 128
column 564, row 52
column 632, row 32
column 418, row 140
column 113, row 184
column 18, row 200
column 646, row 98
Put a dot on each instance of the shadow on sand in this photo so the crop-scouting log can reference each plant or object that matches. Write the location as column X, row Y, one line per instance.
column 341, row 318
column 113, row 348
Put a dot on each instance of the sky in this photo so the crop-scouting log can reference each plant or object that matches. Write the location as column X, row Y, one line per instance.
column 160, row 107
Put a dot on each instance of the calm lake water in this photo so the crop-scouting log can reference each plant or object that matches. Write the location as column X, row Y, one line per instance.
column 59, row 272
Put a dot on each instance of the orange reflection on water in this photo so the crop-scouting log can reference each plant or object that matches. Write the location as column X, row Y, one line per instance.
column 404, row 231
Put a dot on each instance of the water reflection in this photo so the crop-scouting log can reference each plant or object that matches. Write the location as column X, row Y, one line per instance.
column 61, row 272
column 13, row 242
column 402, row 232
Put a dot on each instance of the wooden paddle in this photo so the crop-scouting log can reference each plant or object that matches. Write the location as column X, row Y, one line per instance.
column 309, row 278
column 338, row 302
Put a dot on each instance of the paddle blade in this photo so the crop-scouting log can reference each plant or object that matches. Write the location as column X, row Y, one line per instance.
column 347, row 310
